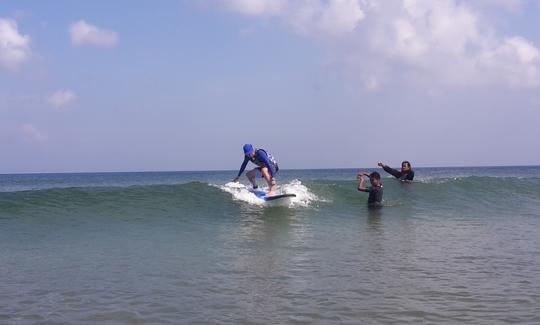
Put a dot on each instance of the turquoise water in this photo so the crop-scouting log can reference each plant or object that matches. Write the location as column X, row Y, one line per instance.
column 459, row 245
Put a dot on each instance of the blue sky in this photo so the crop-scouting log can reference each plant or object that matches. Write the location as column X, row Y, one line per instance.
column 182, row 85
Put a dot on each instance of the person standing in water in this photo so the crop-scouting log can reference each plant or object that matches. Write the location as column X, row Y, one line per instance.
column 266, row 167
column 406, row 173
column 375, row 191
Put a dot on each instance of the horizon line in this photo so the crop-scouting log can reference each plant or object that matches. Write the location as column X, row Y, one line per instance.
column 232, row 170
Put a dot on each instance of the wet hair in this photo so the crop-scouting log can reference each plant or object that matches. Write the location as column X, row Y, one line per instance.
column 406, row 162
column 375, row 175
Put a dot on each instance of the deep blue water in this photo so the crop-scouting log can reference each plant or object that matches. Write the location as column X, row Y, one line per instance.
column 458, row 245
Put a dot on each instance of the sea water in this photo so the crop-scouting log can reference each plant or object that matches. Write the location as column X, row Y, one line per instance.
column 458, row 245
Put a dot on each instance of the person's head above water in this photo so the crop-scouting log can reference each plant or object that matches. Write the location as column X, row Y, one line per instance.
column 375, row 179
column 248, row 150
column 405, row 166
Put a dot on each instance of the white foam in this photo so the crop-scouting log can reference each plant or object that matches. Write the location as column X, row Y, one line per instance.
column 436, row 180
column 234, row 185
column 242, row 192
column 303, row 195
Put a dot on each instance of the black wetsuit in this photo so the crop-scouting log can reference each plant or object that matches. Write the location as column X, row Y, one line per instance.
column 398, row 174
column 375, row 195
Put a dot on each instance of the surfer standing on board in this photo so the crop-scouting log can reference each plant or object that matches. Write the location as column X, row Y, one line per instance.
column 406, row 173
column 266, row 167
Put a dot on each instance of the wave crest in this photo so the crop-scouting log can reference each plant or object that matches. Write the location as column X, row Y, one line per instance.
column 304, row 197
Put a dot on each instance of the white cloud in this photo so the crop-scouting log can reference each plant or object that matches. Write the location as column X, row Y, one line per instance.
column 32, row 134
column 84, row 33
column 14, row 47
column 433, row 40
column 514, row 6
column 372, row 83
column 333, row 17
column 61, row 99
column 507, row 4
column 515, row 59
column 256, row 7
column 450, row 42
column 445, row 41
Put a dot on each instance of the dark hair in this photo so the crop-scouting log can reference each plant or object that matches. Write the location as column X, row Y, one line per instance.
column 375, row 175
column 406, row 162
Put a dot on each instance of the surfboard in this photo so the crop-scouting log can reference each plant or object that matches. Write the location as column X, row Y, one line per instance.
column 279, row 196
column 263, row 195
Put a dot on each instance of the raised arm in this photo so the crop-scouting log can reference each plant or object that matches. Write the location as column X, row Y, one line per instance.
column 362, row 182
column 390, row 170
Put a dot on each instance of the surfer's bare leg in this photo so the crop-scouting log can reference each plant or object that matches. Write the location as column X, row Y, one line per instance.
column 251, row 175
column 271, row 182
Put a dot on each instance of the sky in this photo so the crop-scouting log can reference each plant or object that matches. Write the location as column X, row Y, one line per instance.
column 91, row 86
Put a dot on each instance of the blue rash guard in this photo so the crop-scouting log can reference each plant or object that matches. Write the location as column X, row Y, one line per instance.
column 261, row 159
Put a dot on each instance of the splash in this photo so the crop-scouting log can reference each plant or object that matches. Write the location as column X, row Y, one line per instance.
column 241, row 193
column 303, row 197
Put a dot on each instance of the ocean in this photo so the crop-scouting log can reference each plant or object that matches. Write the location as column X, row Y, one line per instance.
column 456, row 246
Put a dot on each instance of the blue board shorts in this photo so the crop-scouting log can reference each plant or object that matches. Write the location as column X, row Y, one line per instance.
column 259, row 172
